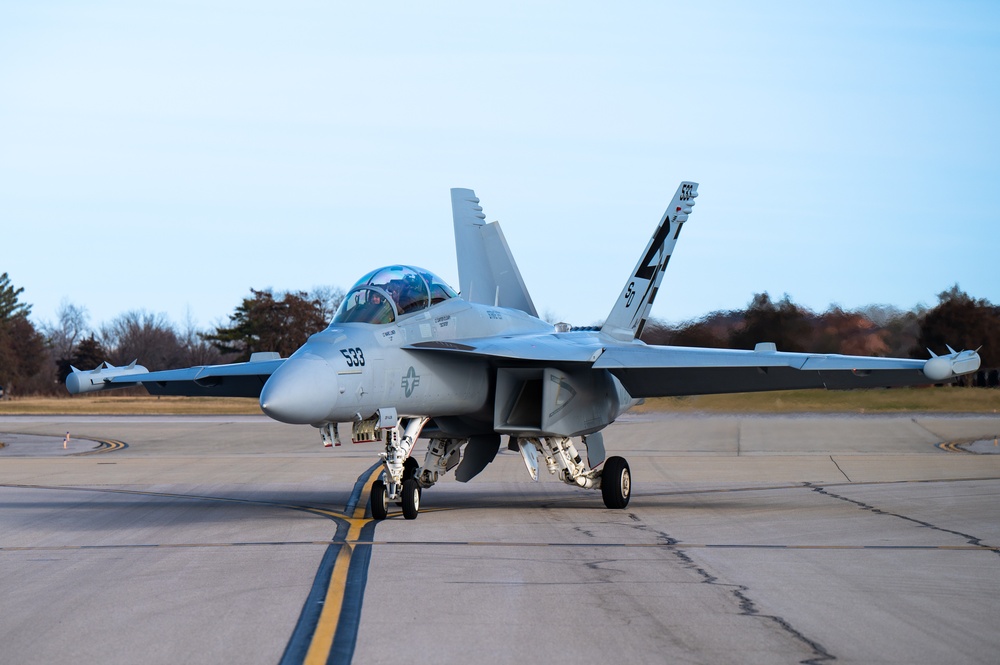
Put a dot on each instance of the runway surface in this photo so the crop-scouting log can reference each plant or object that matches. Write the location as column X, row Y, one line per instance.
column 749, row 539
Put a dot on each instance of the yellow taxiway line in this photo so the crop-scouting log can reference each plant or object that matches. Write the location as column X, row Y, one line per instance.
column 329, row 618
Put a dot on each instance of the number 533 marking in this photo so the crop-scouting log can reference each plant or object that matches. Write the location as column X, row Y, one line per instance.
column 355, row 357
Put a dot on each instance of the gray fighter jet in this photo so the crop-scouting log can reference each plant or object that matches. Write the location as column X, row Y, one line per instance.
column 407, row 357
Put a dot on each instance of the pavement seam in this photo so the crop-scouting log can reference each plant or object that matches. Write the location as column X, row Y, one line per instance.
column 927, row 429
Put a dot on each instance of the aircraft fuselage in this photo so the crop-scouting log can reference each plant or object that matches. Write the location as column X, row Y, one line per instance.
column 350, row 370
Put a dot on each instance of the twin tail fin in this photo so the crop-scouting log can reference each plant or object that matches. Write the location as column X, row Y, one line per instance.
column 630, row 312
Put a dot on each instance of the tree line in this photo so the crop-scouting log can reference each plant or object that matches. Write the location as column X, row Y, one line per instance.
column 958, row 320
column 37, row 359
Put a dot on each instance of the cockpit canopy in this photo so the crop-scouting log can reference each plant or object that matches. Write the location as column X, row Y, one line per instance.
column 385, row 294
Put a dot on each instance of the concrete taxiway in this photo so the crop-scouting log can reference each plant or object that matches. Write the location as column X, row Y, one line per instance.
column 749, row 539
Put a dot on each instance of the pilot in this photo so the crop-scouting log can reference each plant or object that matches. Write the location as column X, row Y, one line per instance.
column 393, row 288
column 380, row 311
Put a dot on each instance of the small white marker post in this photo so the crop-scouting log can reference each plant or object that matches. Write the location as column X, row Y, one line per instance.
column 66, row 441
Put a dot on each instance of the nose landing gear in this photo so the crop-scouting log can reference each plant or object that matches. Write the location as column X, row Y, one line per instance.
column 398, row 481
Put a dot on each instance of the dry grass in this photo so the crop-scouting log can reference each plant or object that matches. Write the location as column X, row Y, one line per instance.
column 937, row 400
column 130, row 405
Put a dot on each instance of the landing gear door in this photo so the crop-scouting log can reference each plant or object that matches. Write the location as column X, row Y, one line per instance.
column 387, row 418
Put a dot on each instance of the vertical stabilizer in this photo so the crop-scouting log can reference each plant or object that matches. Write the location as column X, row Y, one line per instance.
column 487, row 273
column 627, row 318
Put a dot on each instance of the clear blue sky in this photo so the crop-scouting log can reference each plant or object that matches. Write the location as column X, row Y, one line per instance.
column 172, row 155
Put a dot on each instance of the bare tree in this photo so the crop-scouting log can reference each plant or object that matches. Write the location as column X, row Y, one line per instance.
column 145, row 336
column 329, row 299
column 197, row 350
column 69, row 329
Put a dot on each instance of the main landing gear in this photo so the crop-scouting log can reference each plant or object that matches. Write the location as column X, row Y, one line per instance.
column 402, row 479
column 562, row 458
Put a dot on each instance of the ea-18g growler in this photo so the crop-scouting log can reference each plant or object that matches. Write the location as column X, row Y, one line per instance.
column 407, row 357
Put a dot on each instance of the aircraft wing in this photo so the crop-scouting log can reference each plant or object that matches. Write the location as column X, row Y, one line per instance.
column 232, row 380
column 660, row 371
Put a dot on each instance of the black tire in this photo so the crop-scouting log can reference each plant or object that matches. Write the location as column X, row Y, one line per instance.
column 410, row 467
column 411, row 498
column 616, row 483
column 379, row 501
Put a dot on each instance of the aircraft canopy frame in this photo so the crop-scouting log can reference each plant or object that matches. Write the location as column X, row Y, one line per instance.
column 388, row 293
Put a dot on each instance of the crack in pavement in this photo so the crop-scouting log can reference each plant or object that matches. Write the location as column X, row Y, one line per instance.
column 971, row 540
column 748, row 607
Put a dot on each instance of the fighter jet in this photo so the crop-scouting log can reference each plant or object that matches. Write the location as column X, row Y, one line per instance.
column 407, row 357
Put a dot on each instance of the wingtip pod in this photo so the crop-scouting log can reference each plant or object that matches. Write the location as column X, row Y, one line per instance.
column 942, row 368
column 89, row 381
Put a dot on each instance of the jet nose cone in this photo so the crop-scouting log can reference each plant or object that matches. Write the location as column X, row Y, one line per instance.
column 302, row 391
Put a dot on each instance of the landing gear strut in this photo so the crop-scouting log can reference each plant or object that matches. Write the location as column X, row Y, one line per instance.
column 398, row 481
column 561, row 457
column 403, row 479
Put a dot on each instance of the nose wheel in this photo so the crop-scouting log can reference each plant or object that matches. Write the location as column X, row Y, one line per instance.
column 398, row 482
column 411, row 498
column 379, row 501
